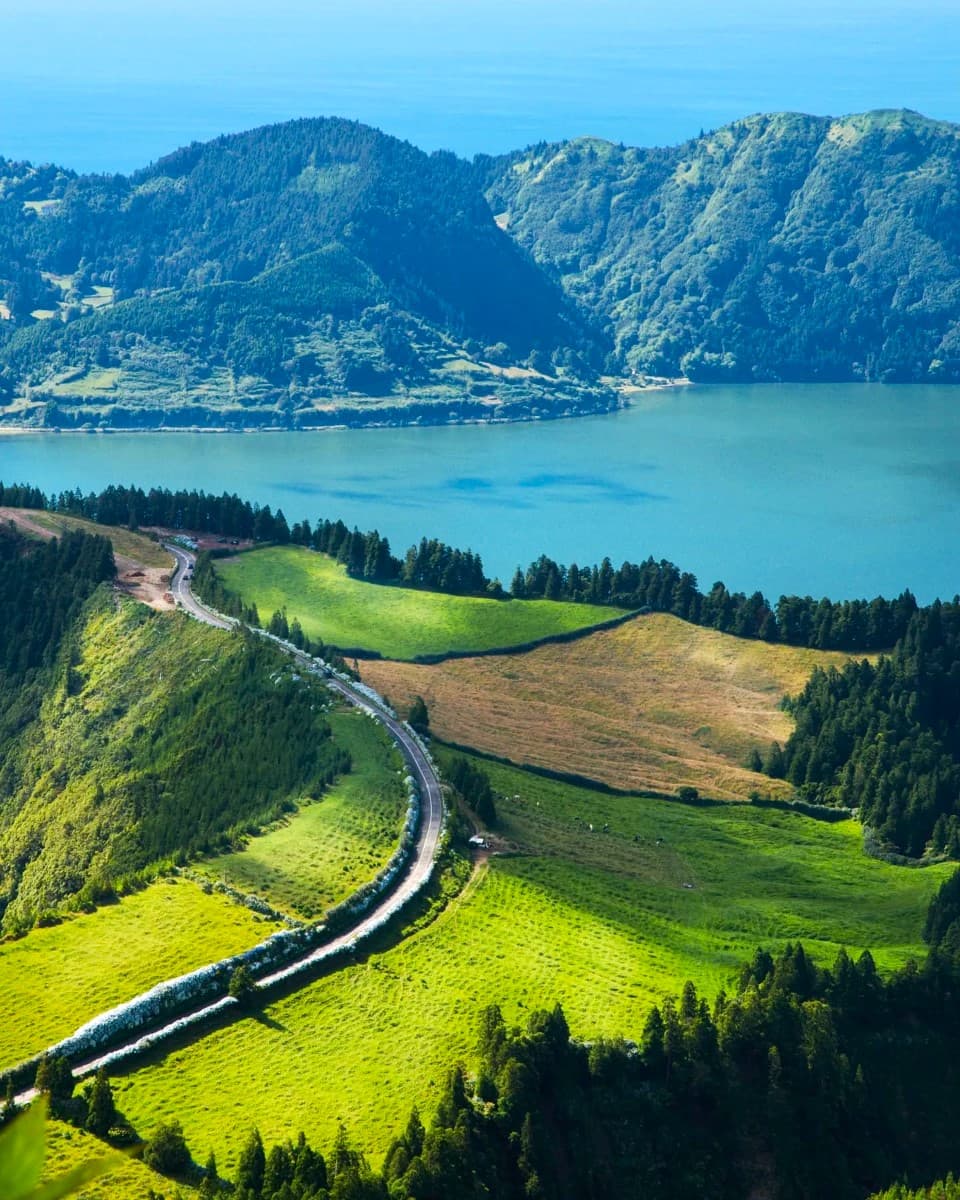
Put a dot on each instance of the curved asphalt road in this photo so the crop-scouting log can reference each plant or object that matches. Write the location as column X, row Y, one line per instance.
column 417, row 872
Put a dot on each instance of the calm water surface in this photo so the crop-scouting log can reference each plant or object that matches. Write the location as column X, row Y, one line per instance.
column 108, row 85
column 836, row 490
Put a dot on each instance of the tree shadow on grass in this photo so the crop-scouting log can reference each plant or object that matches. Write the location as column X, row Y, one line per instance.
column 269, row 1022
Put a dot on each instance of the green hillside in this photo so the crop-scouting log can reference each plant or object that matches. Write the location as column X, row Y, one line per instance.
column 781, row 247
column 115, row 953
column 396, row 622
column 305, row 863
column 319, row 273
column 313, row 859
column 598, row 921
column 298, row 275
column 155, row 737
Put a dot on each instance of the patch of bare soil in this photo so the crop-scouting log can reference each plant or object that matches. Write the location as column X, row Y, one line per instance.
column 149, row 585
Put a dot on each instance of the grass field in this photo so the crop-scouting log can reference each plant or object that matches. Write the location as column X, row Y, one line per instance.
column 68, row 1147
column 329, row 848
column 64, row 975
column 654, row 704
column 133, row 546
column 395, row 622
column 601, row 922
column 99, row 382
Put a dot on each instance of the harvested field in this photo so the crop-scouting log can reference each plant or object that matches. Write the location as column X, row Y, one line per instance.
column 654, row 704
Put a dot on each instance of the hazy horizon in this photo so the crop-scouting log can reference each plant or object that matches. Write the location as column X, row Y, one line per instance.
column 110, row 88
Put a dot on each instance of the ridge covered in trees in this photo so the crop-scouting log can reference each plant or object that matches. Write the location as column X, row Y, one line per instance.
column 319, row 271
column 885, row 738
column 854, row 625
column 128, row 740
column 256, row 277
column 780, row 247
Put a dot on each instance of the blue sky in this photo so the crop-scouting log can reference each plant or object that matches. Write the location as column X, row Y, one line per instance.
column 110, row 84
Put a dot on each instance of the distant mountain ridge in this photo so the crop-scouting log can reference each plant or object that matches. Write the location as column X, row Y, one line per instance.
column 266, row 277
column 783, row 247
column 320, row 271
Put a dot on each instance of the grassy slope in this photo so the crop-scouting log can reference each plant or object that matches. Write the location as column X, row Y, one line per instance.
column 329, row 848
column 656, row 703
column 396, row 622
column 129, row 662
column 316, row 858
column 598, row 921
column 134, row 546
column 129, row 1180
column 157, row 703
column 64, row 975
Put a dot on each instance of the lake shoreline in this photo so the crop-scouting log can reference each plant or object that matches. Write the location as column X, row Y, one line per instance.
column 628, row 394
column 755, row 485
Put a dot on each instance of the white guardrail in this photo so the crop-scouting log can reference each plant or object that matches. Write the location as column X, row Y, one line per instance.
column 280, row 958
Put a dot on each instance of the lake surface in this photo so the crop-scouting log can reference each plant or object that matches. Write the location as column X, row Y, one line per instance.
column 837, row 490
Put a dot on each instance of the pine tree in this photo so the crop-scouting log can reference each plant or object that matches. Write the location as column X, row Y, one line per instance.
column 55, row 1078
column 309, row 1169
column 242, row 987
column 251, row 1168
column 101, row 1110
column 211, row 1183
column 278, row 1171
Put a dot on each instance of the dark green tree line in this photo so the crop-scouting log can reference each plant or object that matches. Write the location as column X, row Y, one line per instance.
column 884, row 738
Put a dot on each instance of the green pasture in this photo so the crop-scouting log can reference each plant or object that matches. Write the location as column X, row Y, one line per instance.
column 60, row 977
column 326, row 850
column 600, row 921
column 393, row 621
column 129, row 1179
column 65, row 974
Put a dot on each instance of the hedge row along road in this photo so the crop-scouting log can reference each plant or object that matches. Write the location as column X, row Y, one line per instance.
column 414, row 877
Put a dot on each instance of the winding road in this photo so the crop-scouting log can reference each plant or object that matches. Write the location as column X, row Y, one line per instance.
column 421, row 768
column 413, row 878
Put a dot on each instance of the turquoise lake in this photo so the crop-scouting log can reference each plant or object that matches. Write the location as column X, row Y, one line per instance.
column 828, row 490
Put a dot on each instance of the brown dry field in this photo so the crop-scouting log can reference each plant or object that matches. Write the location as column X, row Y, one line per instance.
column 654, row 704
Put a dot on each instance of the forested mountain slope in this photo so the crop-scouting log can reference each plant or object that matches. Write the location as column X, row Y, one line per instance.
column 783, row 247
column 884, row 738
column 279, row 267
column 128, row 738
column 319, row 272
